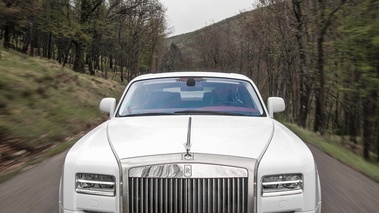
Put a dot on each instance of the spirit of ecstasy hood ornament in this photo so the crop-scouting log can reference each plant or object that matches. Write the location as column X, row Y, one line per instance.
column 187, row 145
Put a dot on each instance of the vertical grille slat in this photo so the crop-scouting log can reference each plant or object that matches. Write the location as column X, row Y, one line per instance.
column 193, row 198
column 229, row 194
column 171, row 198
column 181, row 195
column 131, row 182
column 161, row 196
column 214, row 194
column 219, row 195
column 224, row 198
column 209, row 195
column 200, row 196
column 238, row 196
column 205, row 196
column 185, row 200
column 166, row 195
column 141, row 196
column 151, row 195
column 243, row 197
column 146, row 196
column 136, row 204
column 176, row 191
column 234, row 199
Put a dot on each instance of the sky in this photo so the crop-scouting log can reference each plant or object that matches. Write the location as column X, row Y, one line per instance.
column 185, row 16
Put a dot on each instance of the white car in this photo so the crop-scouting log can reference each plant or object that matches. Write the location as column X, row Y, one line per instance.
column 190, row 142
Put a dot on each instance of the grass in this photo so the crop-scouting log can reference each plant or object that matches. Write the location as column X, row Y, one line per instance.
column 42, row 105
column 331, row 147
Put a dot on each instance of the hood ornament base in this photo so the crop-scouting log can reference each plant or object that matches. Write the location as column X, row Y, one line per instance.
column 188, row 157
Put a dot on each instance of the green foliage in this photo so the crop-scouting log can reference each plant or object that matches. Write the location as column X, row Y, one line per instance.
column 361, row 35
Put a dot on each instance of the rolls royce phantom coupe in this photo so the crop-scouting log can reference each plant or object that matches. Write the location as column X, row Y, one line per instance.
column 190, row 142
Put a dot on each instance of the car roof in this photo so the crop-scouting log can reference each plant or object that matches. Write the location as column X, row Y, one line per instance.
column 192, row 74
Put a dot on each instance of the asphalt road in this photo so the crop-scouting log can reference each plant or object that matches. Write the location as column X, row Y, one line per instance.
column 343, row 189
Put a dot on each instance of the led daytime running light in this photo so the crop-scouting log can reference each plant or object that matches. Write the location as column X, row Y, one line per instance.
column 95, row 184
column 284, row 184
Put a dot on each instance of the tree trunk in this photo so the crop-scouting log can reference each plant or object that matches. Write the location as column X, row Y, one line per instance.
column 324, row 22
column 122, row 74
column 31, row 38
column 319, row 90
column 96, row 58
column 79, row 57
column 65, row 59
column 354, row 113
column 305, row 87
column 366, row 128
column 7, row 35
column 90, row 60
column 49, row 45
column 376, row 112
column 369, row 122
column 111, row 62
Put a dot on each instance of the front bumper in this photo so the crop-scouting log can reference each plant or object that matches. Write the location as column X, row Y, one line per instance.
column 135, row 166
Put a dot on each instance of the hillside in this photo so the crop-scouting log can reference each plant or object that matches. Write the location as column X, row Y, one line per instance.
column 187, row 39
column 215, row 47
column 43, row 106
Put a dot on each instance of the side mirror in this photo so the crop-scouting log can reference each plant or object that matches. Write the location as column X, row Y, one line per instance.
column 108, row 105
column 275, row 104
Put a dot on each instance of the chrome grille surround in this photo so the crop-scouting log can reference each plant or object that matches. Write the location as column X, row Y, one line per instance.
column 206, row 183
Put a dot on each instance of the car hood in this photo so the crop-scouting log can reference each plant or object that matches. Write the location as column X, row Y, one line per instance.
column 223, row 135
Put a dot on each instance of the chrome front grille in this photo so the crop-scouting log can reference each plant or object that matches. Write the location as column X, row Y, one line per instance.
column 172, row 184
column 187, row 195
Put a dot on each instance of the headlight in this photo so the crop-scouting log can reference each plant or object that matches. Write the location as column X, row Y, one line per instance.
column 284, row 184
column 95, row 184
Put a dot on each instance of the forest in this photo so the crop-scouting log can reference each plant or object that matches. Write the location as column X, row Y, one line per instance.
column 123, row 35
column 321, row 56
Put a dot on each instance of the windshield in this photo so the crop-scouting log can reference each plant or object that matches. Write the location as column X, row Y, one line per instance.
column 190, row 95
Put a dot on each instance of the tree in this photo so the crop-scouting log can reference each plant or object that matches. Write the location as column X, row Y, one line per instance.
column 361, row 44
column 172, row 59
column 324, row 21
column 305, row 75
column 86, row 11
column 12, row 14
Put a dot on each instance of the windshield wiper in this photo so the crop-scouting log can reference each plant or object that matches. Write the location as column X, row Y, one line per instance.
column 148, row 114
column 186, row 112
column 207, row 112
